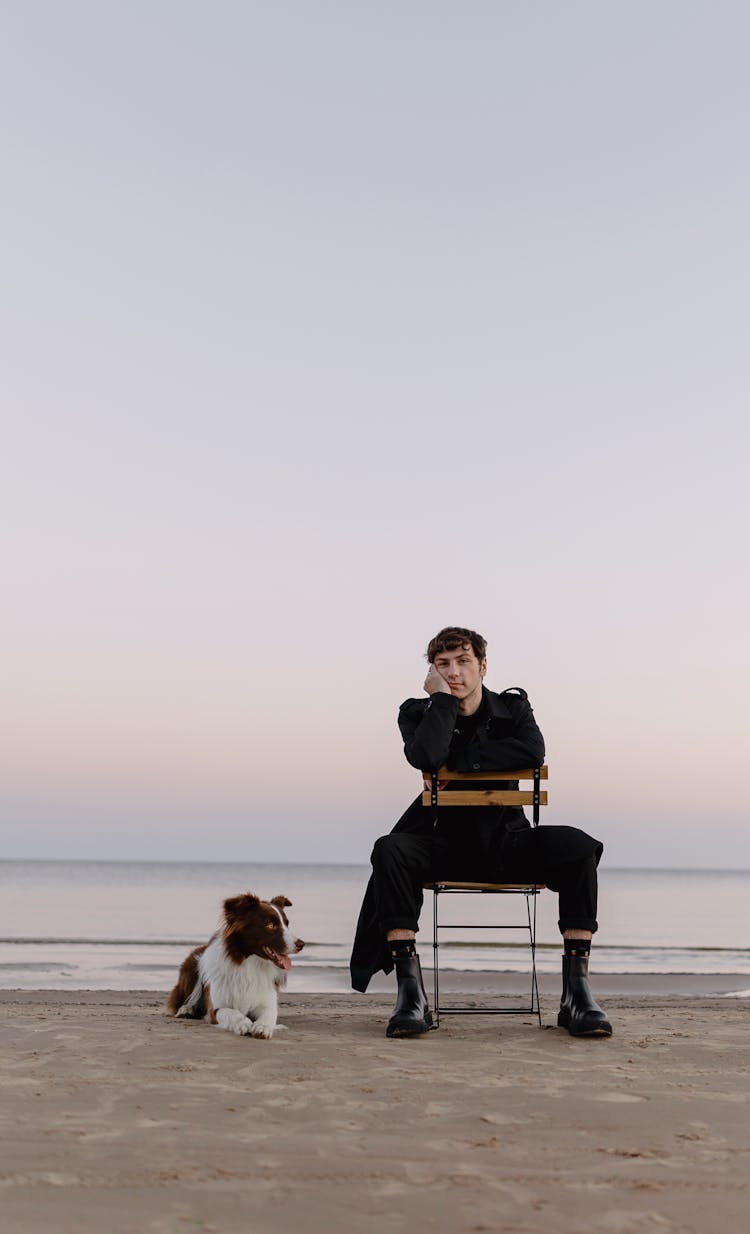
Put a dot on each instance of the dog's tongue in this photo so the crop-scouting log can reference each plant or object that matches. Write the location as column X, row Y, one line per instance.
column 285, row 961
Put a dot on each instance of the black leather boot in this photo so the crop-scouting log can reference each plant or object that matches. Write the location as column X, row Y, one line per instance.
column 579, row 1012
column 411, row 1015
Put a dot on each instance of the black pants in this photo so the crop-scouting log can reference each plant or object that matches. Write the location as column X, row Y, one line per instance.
column 402, row 862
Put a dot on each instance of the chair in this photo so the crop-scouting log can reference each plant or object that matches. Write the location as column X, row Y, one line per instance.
column 502, row 795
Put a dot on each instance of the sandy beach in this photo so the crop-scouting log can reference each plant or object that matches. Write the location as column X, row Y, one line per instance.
column 116, row 1118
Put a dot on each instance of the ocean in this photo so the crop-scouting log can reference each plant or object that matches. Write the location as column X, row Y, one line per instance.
column 128, row 925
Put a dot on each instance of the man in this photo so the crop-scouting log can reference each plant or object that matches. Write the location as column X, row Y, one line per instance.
column 466, row 727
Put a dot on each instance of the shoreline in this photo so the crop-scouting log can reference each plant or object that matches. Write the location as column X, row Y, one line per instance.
column 334, row 983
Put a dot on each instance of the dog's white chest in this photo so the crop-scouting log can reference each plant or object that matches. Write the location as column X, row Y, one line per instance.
column 244, row 986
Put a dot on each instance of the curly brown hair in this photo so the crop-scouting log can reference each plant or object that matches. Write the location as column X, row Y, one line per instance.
column 452, row 637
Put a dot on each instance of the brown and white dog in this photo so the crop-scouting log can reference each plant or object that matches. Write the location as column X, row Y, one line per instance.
column 233, row 980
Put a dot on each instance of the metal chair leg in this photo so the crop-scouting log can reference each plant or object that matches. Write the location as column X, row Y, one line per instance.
column 435, row 959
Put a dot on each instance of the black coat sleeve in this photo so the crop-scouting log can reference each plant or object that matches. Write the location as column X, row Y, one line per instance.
column 427, row 729
column 521, row 744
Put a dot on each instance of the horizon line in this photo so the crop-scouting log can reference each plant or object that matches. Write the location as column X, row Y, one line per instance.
column 321, row 864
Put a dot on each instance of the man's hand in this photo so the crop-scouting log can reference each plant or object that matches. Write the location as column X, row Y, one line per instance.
column 434, row 683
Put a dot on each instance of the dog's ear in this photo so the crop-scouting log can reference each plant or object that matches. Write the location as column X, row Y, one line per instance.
column 281, row 902
column 238, row 906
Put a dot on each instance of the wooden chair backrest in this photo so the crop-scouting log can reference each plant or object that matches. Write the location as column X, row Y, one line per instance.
column 436, row 782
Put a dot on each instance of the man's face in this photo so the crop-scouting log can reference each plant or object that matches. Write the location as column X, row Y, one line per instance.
column 461, row 670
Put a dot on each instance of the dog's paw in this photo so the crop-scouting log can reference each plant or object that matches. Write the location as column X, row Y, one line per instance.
column 245, row 1028
column 262, row 1030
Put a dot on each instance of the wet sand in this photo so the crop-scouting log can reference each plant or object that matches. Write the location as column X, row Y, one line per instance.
column 116, row 1118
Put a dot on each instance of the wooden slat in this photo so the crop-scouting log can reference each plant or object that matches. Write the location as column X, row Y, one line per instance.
column 526, row 773
column 486, row 797
column 499, row 887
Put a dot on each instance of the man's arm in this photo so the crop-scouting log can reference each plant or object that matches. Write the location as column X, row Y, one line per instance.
column 427, row 729
column 523, row 746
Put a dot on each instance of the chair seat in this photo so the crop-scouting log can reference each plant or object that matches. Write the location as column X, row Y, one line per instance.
column 446, row 885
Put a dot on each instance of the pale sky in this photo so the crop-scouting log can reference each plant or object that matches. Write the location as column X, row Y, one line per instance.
column 326, row 324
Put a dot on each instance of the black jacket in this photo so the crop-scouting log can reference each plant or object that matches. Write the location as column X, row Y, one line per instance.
column 507, row 738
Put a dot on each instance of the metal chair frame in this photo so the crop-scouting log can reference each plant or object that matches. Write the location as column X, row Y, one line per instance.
column 530, row 891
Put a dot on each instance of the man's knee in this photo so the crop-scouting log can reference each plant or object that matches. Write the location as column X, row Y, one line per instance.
column 560, row 845
column 387, row 849
column 403, row 853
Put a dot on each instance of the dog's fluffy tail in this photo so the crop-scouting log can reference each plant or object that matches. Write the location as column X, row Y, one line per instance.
column 186, row 999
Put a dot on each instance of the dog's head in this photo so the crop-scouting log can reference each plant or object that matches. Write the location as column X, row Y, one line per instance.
column 259, row 927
